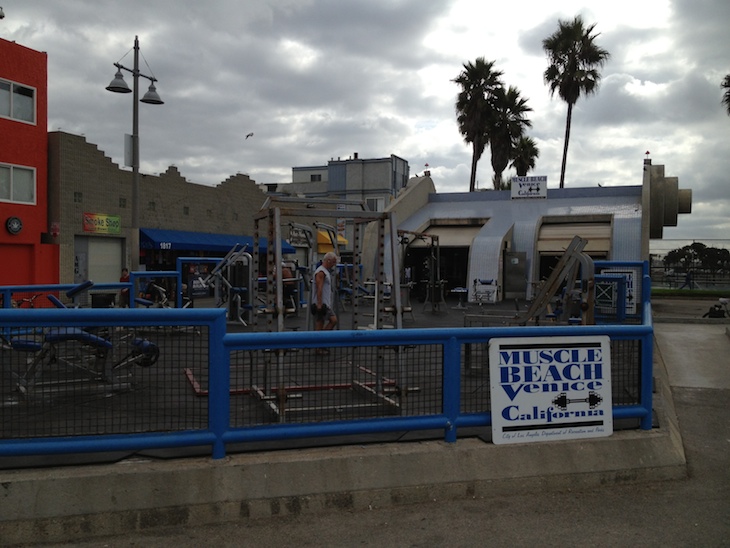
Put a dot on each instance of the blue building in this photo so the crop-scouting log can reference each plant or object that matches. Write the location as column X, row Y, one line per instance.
column 515, row 240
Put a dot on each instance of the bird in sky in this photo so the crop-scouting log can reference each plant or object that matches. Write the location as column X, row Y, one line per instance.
column 249, row 135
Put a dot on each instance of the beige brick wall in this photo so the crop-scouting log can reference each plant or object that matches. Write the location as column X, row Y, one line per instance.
column 82, row 179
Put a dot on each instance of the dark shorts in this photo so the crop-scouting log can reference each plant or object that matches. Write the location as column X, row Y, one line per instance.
column 324, row 312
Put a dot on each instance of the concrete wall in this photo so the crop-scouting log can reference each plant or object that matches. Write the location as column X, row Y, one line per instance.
column 63, row 504
column 411, row 199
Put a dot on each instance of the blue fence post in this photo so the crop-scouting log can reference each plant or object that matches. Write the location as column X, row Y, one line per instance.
column 621, row 300
column 219, row 385
column 647, row 379
column 7, row 296
column 452, row 386
column 647, row 353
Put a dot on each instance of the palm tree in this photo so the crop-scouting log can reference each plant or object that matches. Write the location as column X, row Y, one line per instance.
column 479, row 82
column 726, row 96
column 507, row 125
column 524, row 155
column 573, row 61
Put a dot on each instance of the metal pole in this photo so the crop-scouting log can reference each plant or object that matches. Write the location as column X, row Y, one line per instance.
column 135, row 159
column 119, row 86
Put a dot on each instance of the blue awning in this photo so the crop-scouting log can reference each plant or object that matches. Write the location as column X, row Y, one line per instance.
column 183, row 240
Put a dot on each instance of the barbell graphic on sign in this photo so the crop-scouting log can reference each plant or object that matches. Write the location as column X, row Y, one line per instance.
column 562, row 401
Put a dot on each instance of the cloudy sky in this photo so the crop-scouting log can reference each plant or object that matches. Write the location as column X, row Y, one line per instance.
column 321, row 79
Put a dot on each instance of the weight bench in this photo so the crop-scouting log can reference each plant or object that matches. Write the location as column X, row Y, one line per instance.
column 92, row 362
column 64, row 334
column 71, row 294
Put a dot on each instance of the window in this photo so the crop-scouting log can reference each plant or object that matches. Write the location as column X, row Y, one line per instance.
column 186, row 210
column 17, row 184
column 122, row 202
column 375, row 204
column 4, row 98
column 315, row 178
column 78, row 197
column 151, row 206
column 17, row 101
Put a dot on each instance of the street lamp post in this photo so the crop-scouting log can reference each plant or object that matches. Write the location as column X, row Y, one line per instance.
column 118, row 85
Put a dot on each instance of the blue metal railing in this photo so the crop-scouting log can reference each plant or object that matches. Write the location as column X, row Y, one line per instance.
column 219, row 432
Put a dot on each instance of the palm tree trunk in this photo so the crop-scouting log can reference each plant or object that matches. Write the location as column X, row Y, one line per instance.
column 474, row 160
column 565, row 145
column 500, row 158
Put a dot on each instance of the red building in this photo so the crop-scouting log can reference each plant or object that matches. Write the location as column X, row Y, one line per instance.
column 28, row 250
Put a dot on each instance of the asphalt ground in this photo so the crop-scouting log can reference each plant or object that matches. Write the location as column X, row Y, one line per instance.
column 694, row 511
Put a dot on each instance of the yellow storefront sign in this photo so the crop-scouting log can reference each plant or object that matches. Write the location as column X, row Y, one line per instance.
column 100, row 223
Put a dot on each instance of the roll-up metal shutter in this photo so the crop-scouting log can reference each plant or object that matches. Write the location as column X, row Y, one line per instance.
column 555, row 237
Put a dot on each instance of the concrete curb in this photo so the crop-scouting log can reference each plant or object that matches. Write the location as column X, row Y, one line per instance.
column 679, row 319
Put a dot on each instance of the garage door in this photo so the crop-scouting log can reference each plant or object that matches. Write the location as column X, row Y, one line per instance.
column 556, row 237
column 105, row 259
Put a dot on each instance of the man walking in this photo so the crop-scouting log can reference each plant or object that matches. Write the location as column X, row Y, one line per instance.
column 324, row 316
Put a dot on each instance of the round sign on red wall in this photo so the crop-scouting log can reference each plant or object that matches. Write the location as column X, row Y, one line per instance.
column 14, row 225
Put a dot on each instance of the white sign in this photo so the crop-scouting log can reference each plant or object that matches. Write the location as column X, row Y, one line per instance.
column 529, row 187
column 552, row 388
column 297, row 237
column 630, row 287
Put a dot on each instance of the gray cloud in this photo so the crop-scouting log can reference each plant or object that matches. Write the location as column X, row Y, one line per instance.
column 317, row 79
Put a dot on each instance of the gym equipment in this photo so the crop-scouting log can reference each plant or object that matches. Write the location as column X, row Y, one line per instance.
column 275, row 389
column 580, row 295
column 232, row 280
column 64, row 357
column 434, row 284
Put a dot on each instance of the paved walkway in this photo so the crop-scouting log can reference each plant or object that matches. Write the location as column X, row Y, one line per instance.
column 691, row 512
